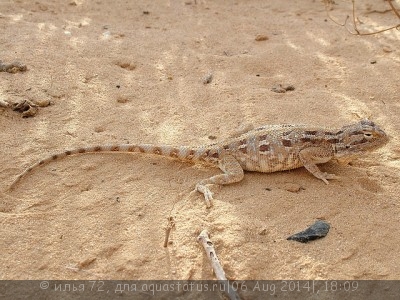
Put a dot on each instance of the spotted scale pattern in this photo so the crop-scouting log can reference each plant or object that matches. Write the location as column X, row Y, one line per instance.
column 269, row 148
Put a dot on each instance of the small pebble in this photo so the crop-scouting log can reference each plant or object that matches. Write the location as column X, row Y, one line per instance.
column 293, row 187
column 41, row 102
column 122, row 99
column 263, row 232
column 387, row 49
column 282, row 89
column 261, row 37
column 316, row 231
column 208, row 78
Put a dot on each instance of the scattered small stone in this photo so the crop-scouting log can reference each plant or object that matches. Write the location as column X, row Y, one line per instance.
column 387, row 49
column 208, row 78
column 263, row 232
column 212, row 137
column 41, row 102
column 316, row 231
column 282, row 89
column 122, row 99
column 126, row 65
column 289, row 88
column 261, row 37
column 372, row 62
column 146, row 12
column 25, row 107
column 13, row 67
column 106, row 34
column 293, row 187
column 278, row 89
column 99, row 129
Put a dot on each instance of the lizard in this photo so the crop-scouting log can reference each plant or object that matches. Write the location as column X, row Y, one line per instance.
column 266, row 149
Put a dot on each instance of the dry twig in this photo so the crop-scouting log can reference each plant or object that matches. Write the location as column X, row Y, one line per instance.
column 208, row 246
column 328, row 6
column 171, row 224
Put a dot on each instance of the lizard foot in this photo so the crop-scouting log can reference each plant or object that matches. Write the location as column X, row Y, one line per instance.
column 326, row 176
column 208, row 196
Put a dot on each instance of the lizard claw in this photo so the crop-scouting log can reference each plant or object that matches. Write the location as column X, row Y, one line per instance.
column 326, row 176
column 208, row 196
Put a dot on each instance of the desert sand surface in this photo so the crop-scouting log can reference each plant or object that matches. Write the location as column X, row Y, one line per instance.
column 134, row 71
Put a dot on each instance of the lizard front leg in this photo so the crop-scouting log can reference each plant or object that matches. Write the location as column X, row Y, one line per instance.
column 233, row 172
column 312, row 156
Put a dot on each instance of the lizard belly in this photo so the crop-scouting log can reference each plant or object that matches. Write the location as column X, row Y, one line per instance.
column 270, row 163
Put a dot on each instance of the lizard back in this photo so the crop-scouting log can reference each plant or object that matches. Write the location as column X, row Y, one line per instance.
column 274, row 148
column 266, row 149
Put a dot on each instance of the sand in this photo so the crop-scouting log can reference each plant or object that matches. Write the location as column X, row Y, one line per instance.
column 133, row 71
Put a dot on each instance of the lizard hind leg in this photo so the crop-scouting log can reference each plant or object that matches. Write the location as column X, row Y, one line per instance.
column 233, row 172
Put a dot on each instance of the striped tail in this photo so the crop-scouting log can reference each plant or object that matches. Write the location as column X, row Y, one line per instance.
column 182, row 152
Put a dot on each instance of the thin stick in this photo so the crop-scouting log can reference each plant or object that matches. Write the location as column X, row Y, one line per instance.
column 354, row 18
column 208, row 246
column 171, row 224
column 394, row 9
column 357, row 32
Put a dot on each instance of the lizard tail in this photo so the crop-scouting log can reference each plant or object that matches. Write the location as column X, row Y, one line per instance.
column 182, row 152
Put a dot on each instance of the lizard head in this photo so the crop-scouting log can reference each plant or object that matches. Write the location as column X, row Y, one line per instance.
column 358, row 138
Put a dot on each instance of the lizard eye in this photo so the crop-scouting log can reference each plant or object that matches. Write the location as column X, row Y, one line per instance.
column 368, row 135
